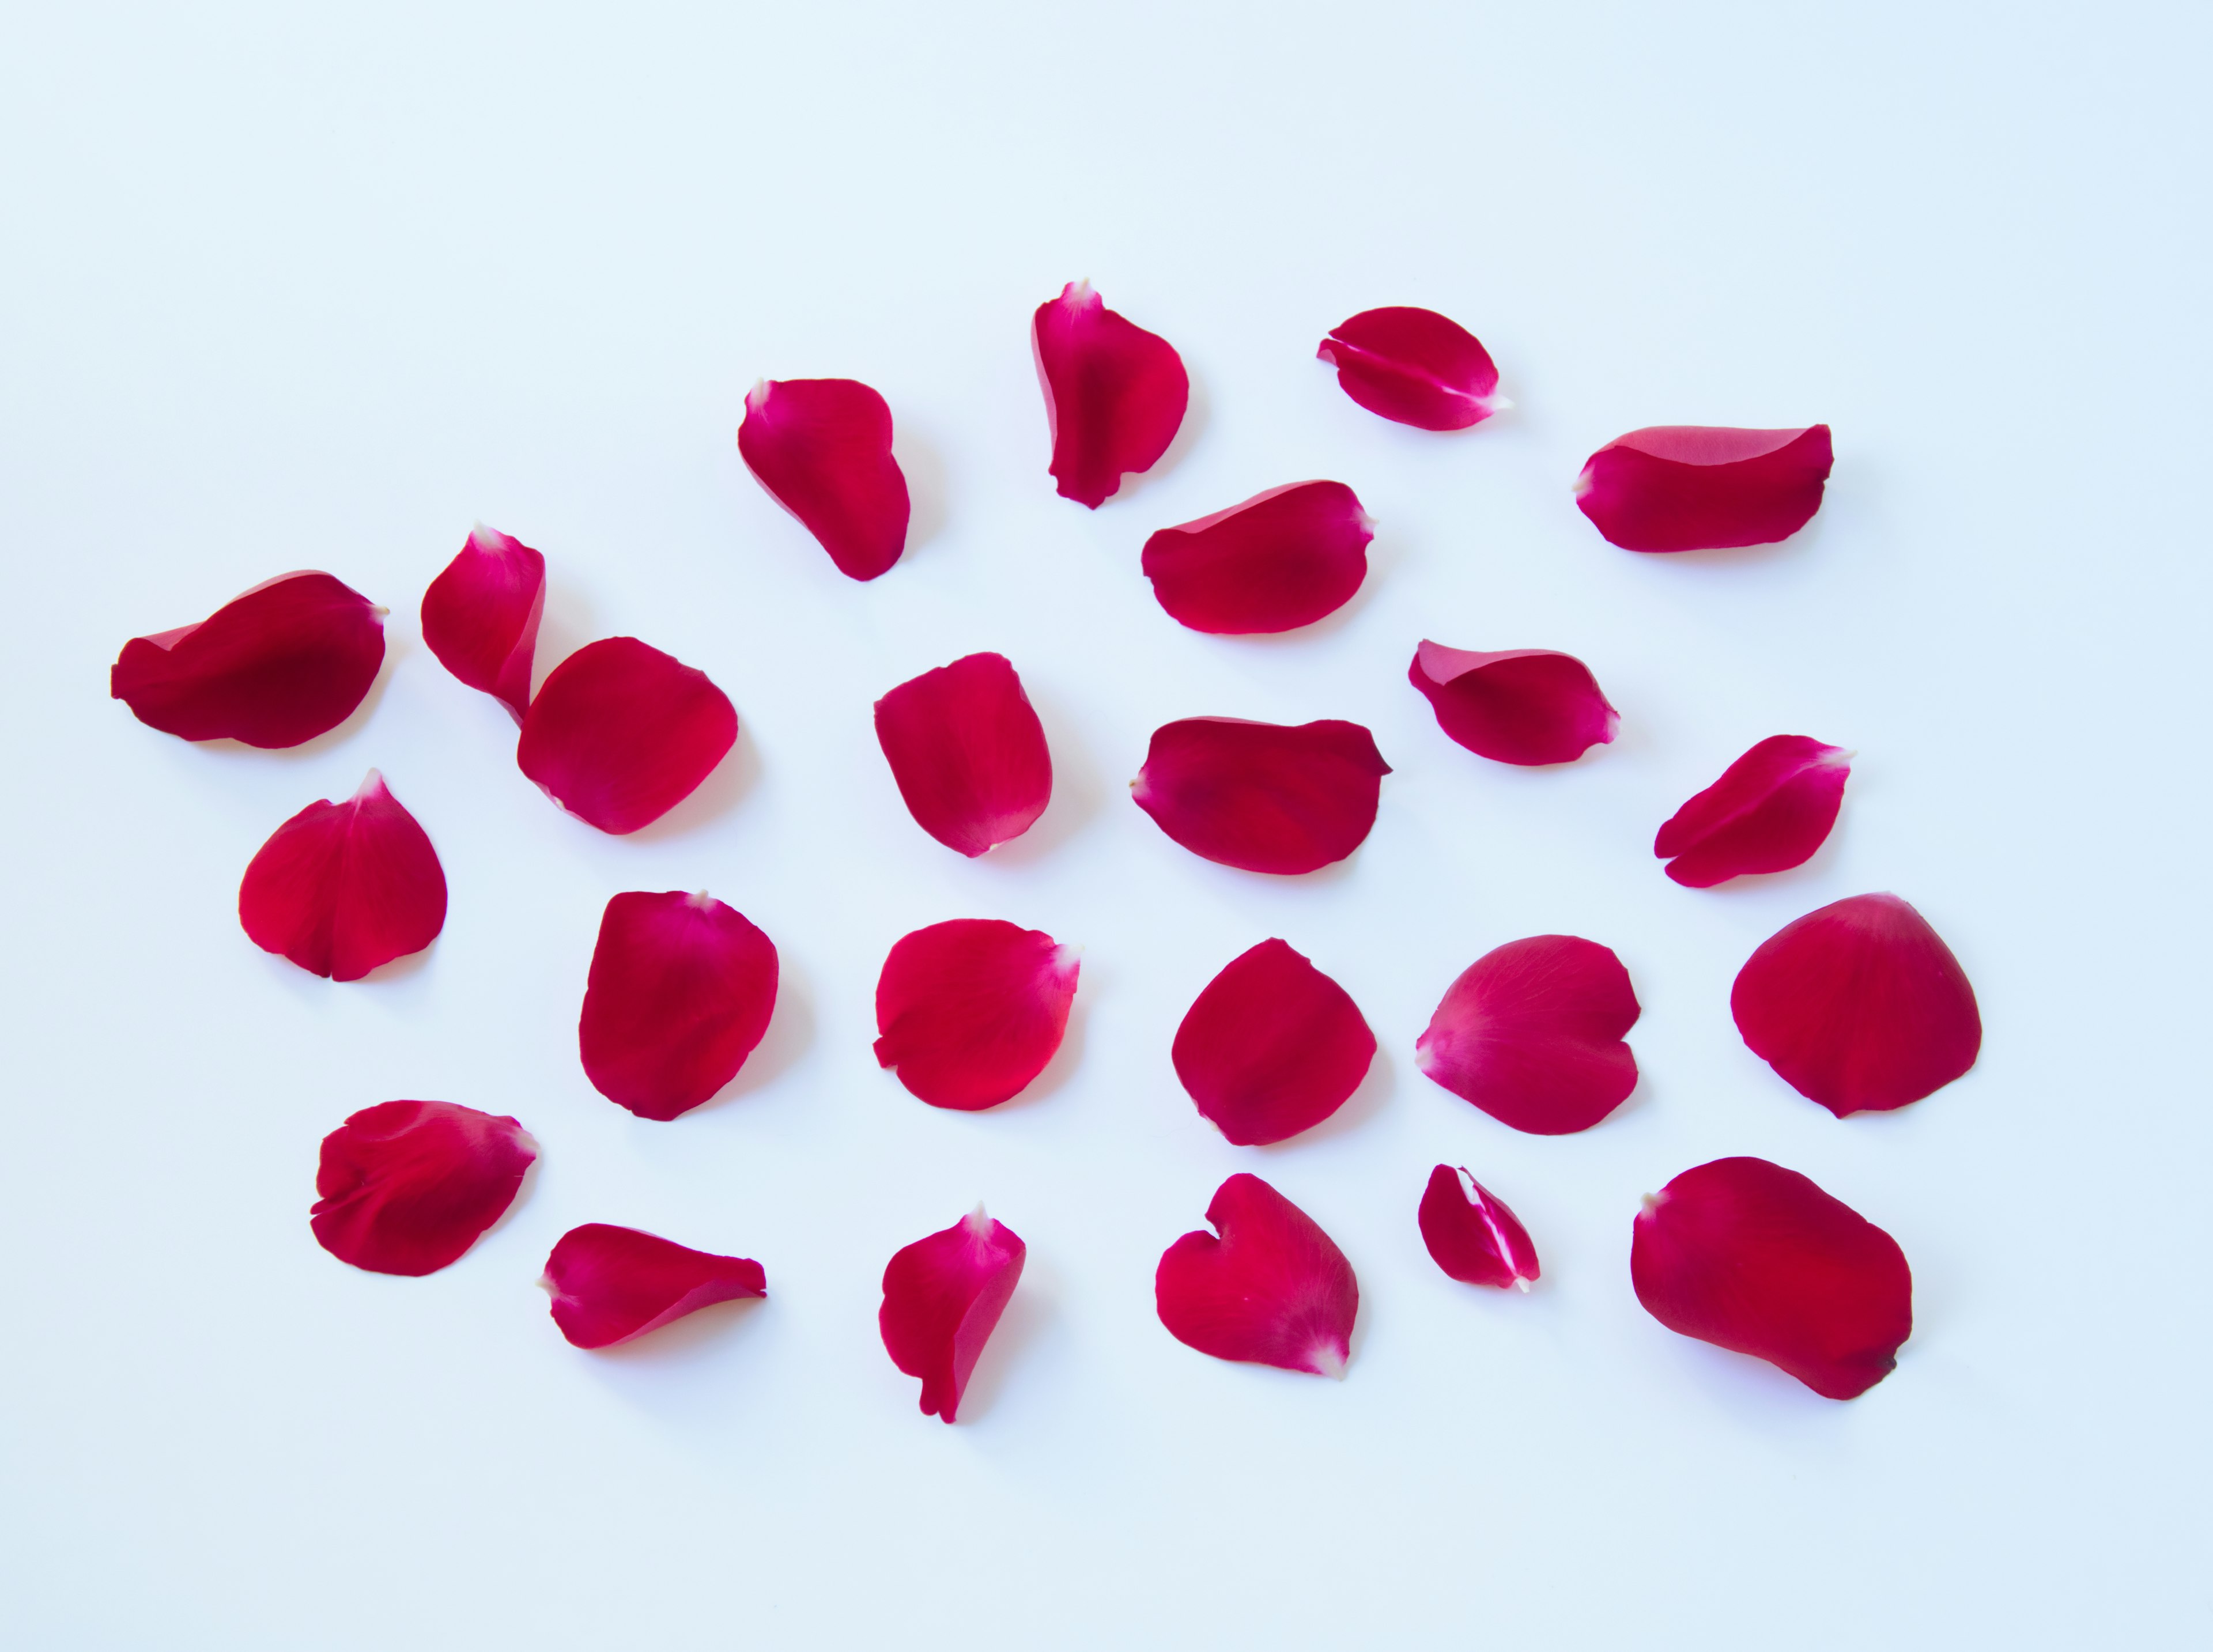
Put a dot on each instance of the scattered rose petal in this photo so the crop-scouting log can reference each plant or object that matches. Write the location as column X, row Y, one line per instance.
column 406, row 1186
column 971, row 1011
column 1519, row 705
column 1531, row 1033
column 1273, row 1289
column 621, row 732
column 1694, row 487
column 1114, row 393
column 1860, row 1006
column 288, row 661
column 340, row 888
column 1414, row 366
column 1262, row 795
column 480, row 616
column 1283, row 559
column 1271, row 1047
column 968, row 752
column 1769, row 811
column 822, row 447
column 1471, row 1235
column 942, row 1296
column 1749, row 1256
column 610, row 1284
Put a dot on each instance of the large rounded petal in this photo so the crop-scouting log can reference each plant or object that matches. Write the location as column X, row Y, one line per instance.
column 406, row 1186
column 1283, row 559
column 1414, row 366
column 942, row 1298
column 340, row 888
column 480, row 616
column 972, row 1011
column 1114, row 393
column 1271, row 1047
column 1273, row 1289
column 1529, row 706
column 968, row 752
column 1532, row 1033
column 1260, row 796
column 1691, row 487
column 1769, row 811
column 610, row 1284
column 621, row 732
column 1471, row 1233
column 822, row 447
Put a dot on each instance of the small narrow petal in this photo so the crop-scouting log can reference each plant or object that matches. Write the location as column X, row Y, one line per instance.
column 1753, row 1258
column 621, row 732
column 1860, row 1006
column 970, row 1011
column 1414, row 366
column 1471, row 1235
column 1695, row 487
column 942, row 1298
column 1532, row 1033
column 1769, row 811
column 968, row 752
column 1283, row 559
column 1261, row 795
column 340, row 888
column 1529, row 706
column 407, row 1186
column 480, row 616
column 822, row 447
column 610, row 1284
column 1273, row 1289
column 1271, row 1047
column 1114, row 395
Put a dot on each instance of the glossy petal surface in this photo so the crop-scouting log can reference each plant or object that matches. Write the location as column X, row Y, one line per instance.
column 943, row 1297
column 1769, row 811
column 968, row 752
column 1271, row 1047
column 610, row 1284
column 1114, row 393
column 1531, row 1033
column 1693, row 487
column 1283, row 559
column 480, row 616
column 1273, row 1289
column 972, row 1011
column 340, row 888
column 1262, row 795
column 621, row 732
column 406, row 1186
column 1471, row 1235
column 1414, row 366
column 822, row 447
column 1519, row 705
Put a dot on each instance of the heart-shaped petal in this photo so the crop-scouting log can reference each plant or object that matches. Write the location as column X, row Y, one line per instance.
column 1273, row 1289
column 1531, row 1033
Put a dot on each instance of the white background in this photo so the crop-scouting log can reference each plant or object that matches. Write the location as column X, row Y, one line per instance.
column 306, row 287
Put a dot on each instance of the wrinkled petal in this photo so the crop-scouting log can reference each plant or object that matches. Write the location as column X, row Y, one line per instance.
column 610, row 1284
column 1471, row 1235
column 971, row 1011
column 621, row 732
column 1749, row 1256
column 1860, row 1006
column 942, row 1296
column 406, row 1186
column 480, row 616
column 1273, row 1289
column 1114, row 393
column 968, row 752
column 1694, row 487
column 1414, row 366
column 1521, row 705
column 1283, row 559
column 340, row 888
column 1271, row 1047
column 822, row 447
column 288, row 661
column 680, row 992
column 1531, row 1033
column 1769, row 811
column 1262, row 795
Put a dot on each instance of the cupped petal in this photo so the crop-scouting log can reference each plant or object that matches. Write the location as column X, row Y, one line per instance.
column 1860, row 1006
column 406, row 1186
column 1271, row 1047
column 822, row 447
column 943, row 1297
column 1697, row 487
column 968, row 752
column 1532, row 1033
column 1263, row 796
column 1529, row 706
column 610, row 1284
column 1753, row 1258
column 1769, row 811
column 970, row 1011
column 1273, row 1289
column 621, row 733
column 1471, row 1235
column 1114, row 393
column 340, row 888
column 286, row 662
column 1283, row 559
column 480, row 616
column 1414, row 366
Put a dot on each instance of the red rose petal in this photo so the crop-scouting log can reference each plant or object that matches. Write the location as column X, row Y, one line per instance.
column 621, row 732
column 943, row 1297
column 480, row 616
column 1521, row 705
column 1769, row 811
column 406, row 1186
column 1271, row 1047
column 340, row 888
column 1414, row 366
column 1751, row 1256
column 822, row 447
column 968, row 752
column 1273, row 1289
column 1860, row 1006
column 1283, row 559
column 610, row 1284
column 972, row 1011
column 1114, row 395
column 1262, row 795
column 1692, row 487
column 680, row 992
column 1471, row 1235
column 1531, row 1033
column 288, row 661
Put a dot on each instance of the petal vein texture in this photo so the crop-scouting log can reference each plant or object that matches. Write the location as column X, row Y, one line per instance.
column 1529, row 706
column 1697, row 487
column 1273, row 1289
column 610, row 1284
column 1532, row 1033
column 1114, row 395
column 1471, row 1233
column 480, row 616
column 970, row 1011
column 822, row 447
column 942, row 1298
column 340, row 888
column 1414, row 366
column 1271, row 1047
column 1283, row 559
column 1769, row 811
column 968, row 752
column 407, row 1186
column 1263, row 796
column 621, row 732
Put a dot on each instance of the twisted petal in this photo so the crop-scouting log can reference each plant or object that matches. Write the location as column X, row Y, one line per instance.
column 1273, row 1289
column 1283, row 559
column 610, row 1284
column 972, row 1011
column 621, row 732
column 968, row 752
column 1114, row 395
column 1769, row 811
column 1691, row 487
column 1471, row 1235
column 1261, row 795
column 1531, row 1033
column 1414, row 366
column 406, row 1186
column 822, row 447
column 943, row 1297
column 340, row 888
column 1271, row 1047
column 1521, row 705
column 480, row 616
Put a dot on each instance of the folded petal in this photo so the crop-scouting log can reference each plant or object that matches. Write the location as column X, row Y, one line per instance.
column 1471, row 1235
column 968, row 752
column 1693, row 487
column 972, row 1011
column 1769, row 811
column 1262, row 795
column 1519, row 705
column 480, row 616
column 1271, row 1047
column 1114, row 393
column 1531, row 1033
column 610, row 1284
column 1273, row 1289
column 1283, row 559
column 822, row 447
column 288, row 661
column 1860, row 1006
column 406, row 1186
column 621, row 732
column 340, row 888
column 943, row 1297
column 1414, row 366
column 1749, row 1256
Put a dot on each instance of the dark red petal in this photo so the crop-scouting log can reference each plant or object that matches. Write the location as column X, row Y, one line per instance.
column 1531, row 1033
column 288, row 661
column 942, row 1295
column 621, row 732
column 1114, row 393
column 968, row 752
column 610, row 1284
column 1749, row 1256
column 822, row 447
column 1471, row 1235
column 406, row 1186
column 972, row 1011
column 480, row 616
column 1860, row 1006
column 1283, row 559
column 1414, row 366
column 1271, row 1047
column 681, row 991
column 1769, row 811
column 340, row 888
column 1692, row 487
column 1273, row 1289
column 1519, row 705
column 1261, row 795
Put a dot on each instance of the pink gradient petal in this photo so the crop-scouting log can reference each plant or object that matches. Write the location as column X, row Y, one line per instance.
column 610, row 1284
column 621, row 732
column 1271, row 1047
column 1694, row 487
column 1283, row 559
column 407, row 1186
column 1531, row 1033
column 1263, row 796
column 340, row 888
column 480, row 616
column 972, row 1011
column 1769, row 811
column 1471, row 1235
column 943, row 1297
column 1529, row 706
column 1114, row 395
column 1414, row 366
column 1273, row 1290
column 822, row 447
column 968, row 752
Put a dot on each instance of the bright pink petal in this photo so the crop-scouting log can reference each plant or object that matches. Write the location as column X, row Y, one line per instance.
column 1414, row 366
column 621, row 732
column 480, row 616
column 1751, row 1256
column 340, row 888
column 1769, row 811
column 968, row 752
column 942, row 1296
column 1693, row 487
column 1114, row 393
column 1273, row 1289
column 1531, row 1033
column 1283, row 559
column 1521, row 705
column 406, row 1186
column 822, row 447
column 610, row 1284
column 288, row 661
column 1261, row 795
column 972, row 1011
column 1471, row 1235
column 1271, row 1047
column 1859, row 1006
column 680, row 992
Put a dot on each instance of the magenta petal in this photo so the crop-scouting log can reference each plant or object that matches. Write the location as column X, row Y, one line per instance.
column 822, row 447
column 1471, row 1235
column 1271, row 1047
column 1860, row 1006
column 1273, row 1289
column 406, row 1186
column 1114, row 395
column 1414, row 366
column 621, row 732
column 1283, row 559
column 610, row 1283
column 1531, row 1033
column 972, row 1011
column 968, row 752
column 1692, row 487
column 1521, row 705
column 1261, row 795
column 340, row 888
column 1769, row 811
column 480, row 616
column 943, row 1297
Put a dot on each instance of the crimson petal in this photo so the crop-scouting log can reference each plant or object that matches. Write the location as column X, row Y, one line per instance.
column 1692, row 487
column 1114, row 393
column 1271, row 1047
column 1274, row 1288
column 1531, row 1033
column 1471, row 1235
column 1283, row 559
column 407, row 1186
column 340, row 888
column 1769, row 811
column 942, row 1298
column 822, row 447
column 972, row 1011
column 610, row 1284
column 621, row 733
column 1414, row 366
column 480, row 616
column 968, row 752
column 1262, row 795
column 1519, row 705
